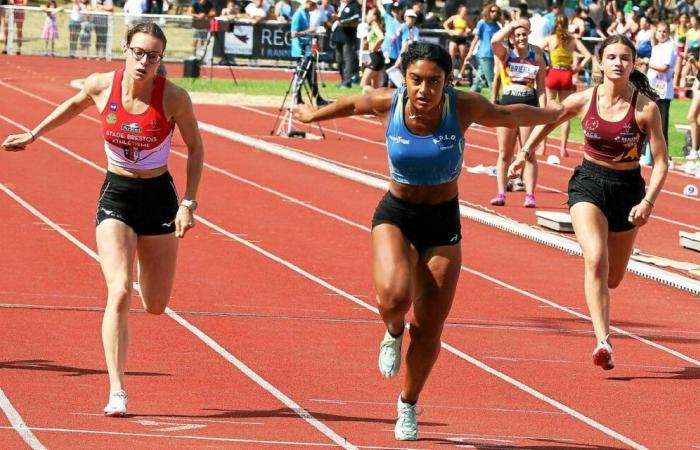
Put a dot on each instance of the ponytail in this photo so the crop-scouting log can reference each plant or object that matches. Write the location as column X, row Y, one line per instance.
column 641, row 82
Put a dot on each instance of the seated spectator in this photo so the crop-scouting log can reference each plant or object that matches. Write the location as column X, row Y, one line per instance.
column 284, row 11
column 257, row 10
column 202, row 11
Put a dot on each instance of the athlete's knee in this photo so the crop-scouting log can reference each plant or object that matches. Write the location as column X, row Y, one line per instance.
column 118, row 296
column 596, row 264
column 393, row 297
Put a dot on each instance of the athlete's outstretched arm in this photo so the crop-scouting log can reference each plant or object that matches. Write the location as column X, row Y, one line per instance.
column 180, row 104
column 59, row 116
column 473, row 108
column 377, row 102
column 573, row 105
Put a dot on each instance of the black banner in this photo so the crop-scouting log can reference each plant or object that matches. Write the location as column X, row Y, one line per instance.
column 272, row 40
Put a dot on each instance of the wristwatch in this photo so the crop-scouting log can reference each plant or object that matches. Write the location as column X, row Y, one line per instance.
column 189, row 204
column 526, row 150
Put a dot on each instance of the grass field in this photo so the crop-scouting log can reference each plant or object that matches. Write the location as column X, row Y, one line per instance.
column 679, row 108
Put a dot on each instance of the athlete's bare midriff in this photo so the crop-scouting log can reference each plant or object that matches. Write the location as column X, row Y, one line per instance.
column 151, row 173
column 424, row 195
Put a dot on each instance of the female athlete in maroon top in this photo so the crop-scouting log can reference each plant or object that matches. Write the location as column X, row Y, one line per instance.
column 607, row 197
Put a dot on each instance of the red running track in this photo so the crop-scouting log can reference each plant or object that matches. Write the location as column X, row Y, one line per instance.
column 316, row 345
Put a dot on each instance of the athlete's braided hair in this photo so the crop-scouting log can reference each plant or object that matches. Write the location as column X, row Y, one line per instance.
column 637, row 78
column 147, row 28
column 418, row 51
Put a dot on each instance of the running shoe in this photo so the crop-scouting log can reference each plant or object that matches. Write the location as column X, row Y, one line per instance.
column 692, row 155
column 518, row 185
column 406, row 428
column 390, row 355
column 499, row 199
column 530, row 201
column 117, row 404
column 602, row 355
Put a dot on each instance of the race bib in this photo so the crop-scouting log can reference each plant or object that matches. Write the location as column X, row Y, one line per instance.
column 660, row 87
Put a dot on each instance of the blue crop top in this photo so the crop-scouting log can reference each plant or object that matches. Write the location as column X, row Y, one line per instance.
column 424, row 160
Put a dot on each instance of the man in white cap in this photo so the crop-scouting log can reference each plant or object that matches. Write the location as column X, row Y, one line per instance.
column 408, row 32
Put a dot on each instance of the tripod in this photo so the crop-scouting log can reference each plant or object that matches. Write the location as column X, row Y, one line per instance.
column 213, row 28
column 306, row 66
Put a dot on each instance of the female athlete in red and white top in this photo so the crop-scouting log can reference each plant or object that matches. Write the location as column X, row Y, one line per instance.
column 138, row 208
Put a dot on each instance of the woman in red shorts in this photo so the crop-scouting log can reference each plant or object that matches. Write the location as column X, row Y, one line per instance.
column 559, row 81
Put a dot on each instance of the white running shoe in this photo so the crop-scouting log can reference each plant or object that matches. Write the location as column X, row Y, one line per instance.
column 117, row 404
column 406, row 428
column 603, row 356
column 390, row 355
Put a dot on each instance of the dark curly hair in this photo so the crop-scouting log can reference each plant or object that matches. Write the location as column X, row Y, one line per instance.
column 418, row 51
column 637, row 78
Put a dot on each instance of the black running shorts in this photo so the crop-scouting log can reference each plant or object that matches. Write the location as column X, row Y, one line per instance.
column 147, row 205
column 614, row 192
column 424, row 226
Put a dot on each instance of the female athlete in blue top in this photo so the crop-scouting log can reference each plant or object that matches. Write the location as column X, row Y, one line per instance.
column 416, row 227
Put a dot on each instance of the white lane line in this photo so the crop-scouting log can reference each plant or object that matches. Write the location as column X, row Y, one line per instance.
column 381, row 143
column 434, row 406
column 291, row 404
column 448, row 347
column 381, row 184
column 181, row 419
column 18, row 424
column 533, row 392
column 179, row 436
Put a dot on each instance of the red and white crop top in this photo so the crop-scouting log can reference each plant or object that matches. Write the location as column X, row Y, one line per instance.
column 136, row 141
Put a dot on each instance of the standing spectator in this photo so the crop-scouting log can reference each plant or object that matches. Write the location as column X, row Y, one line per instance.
column 539, row 27
column 100, row 21
column 133, row 9
column 408, row 33
column 257, row 10
column 19, row 16
column 661, row 65
column 459, row 27
column 202, row 11
column 86, row 28
column 344, row 35
column 694, row 112
column 302, row 35
column 596, row 13
column 284, row 11
column 76, row 18
column 323, row 16
column 419, row 8
column 679, row 29
column 50, row 31
column 391, row 46
column 644, row 37
column 481, row 46
column 551, row 16
column 373, row 75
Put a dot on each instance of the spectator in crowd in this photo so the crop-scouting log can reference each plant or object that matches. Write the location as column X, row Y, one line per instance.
column 559, row 84
column 75, row 24
column 100, row 21
column 50, row 31
column 692, row 47
column 133, row 9
column 19, row 16
column 620, row 25
column 644, row 38
column 344, row 35
column 373, row 75
column 3, row 19
column 451, row 6
column 302, row 49
column 694, row 112
column 407, row 34
column 459, row 27
column 323, row 16
column 551, row 16
column 391, row 47
column 257, row 10
column 577, row 27
column 661, row 65
column 231, row 11
column 595, row 12
column 419, row 8
column 679, row 29
column 284, row 11
column 202, row 11
column 180, row 6
column 86, row 29
column 539, row 27
column 481, row 46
